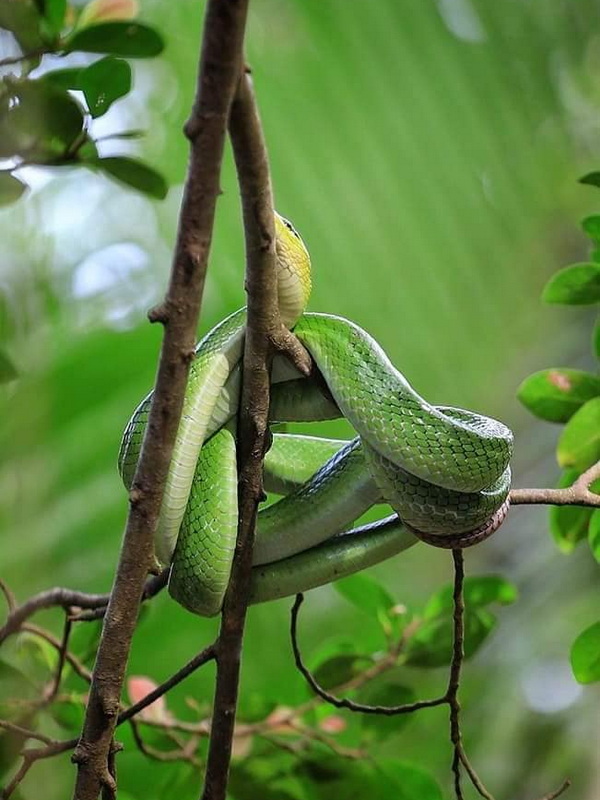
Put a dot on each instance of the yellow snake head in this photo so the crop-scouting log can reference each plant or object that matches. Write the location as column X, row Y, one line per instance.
column 294, row 275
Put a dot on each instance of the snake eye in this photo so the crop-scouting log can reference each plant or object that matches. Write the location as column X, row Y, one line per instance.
column 290, row 227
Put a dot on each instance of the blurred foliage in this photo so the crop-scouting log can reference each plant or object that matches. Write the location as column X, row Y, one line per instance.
column 426, row 153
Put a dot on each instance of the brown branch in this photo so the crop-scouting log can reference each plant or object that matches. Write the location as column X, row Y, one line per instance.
column 30, row 756
column 578, row 494
column 153, row 585
column 62, row 655
column 557, row 793
column 220, row 65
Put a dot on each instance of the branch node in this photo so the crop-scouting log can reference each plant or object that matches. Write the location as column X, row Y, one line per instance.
column 159, row 313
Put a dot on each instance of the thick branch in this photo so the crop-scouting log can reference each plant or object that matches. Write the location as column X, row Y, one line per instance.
column 217, row 78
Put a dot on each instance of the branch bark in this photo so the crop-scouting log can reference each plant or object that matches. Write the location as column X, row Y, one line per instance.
column 219, row 70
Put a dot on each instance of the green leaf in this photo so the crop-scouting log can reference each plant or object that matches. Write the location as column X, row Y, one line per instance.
column 43, row 125
column 104, row 82
column 594, row 534
column 431, row 645
column 556, row 394
column 127, row 39
column 377, row 728
column 264, row 778
column 410, row 782
column 11, row 189
column 585, row 655
column 596, row 340
column 568, row 524
column 592, row 179
column 479, row 591
column 54, row 14
column 23, row 20
column 365, row 593
column 133, row 173
column 68, row 713
column 591, row 226
column 576, row 285
column 327, row 776
column 339, row 669
column 8, row 371
column 579, row 444
column 63, row 78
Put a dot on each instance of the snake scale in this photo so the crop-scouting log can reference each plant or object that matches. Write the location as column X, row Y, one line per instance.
column 444, row 471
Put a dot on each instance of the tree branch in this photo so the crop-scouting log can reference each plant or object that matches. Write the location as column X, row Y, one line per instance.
column 218, row 74
column 578, row 494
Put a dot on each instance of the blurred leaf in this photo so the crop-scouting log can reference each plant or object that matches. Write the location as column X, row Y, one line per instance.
column 479, row 590
column 579, row 444
column 390, row 693
column 104, row 82
column 14, row 685
column 591, row 225
column 328, row 776
column 133, row 173
column 23, row 19
column 568, row 524
column 43, row 124
column 585, row 655
column 54, row 14
column 127, row 39
column 68, row 713
column 594, row 534
column 410, row 781
column 11, row 189
column 104, row 10
column 264, row 778
column 578, row 284
column 431, row 645
column 339, row 669
column 254, row 707
column 8, row 371
column 556, row 394
column 365, row 593
column 596, row 339
column 63, row 78
column 592, row 179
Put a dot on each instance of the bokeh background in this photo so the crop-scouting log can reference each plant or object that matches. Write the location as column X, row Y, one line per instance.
column 428, row 152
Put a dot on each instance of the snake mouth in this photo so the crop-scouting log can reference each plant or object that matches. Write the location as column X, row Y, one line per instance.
column 460, row 541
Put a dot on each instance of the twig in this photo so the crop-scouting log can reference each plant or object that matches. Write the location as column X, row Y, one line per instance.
column 561, row 789
column 11, row 601
column 344, row 702
column 24, row 732
column 220, row 66
column 578, row 494
column 179, row 754
column 153, row 585
column 30, row 756
column 62, row 654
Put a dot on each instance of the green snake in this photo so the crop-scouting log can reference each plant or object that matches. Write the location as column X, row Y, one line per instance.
column 443, row 470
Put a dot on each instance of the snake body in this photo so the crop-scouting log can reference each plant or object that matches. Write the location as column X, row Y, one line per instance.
column 443, row 470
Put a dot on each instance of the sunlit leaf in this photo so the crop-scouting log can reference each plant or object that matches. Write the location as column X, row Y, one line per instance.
column 585, row 655
column 134, row 173
column 578, row 284
column 104, row 82
column 556, row 394
column 431, row 645
column 478, row 591
column 594, row 534
column 8, row 371
column 11, row 189
column 579, row 444
column 390, row 693
column 568, row 524
column 411, row 782
column 127, row 39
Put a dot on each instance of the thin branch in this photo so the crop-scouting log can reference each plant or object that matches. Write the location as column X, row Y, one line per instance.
column 62, row 655
column 154, row 584
column 578, row 494
column 343, row 702
column 561, row 789
column 218, row 74
column 11, row 600
column 30, row 756
column 24, row 732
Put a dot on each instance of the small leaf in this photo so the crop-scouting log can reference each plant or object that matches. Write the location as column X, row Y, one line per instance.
column 410, row 781
column 576, row 285
column 479, row 591
column 556, row 394
column 594, row 534
column 431, row 645
column 585, row 655
column 592, row 179
column 133, row 173
column 63, row 78
column 568, row 524
column 377, row 728
column 591, row 225
column 68, row 713
column 127, row 39
column 339, row 669
column 365, row 593
column 104, row 82
column 11, row 189
column 579, row 444
column 54, row 14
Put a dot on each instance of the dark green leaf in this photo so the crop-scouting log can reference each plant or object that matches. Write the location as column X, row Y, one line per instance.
column 8, row 371
column 410, row 782
column 54, row 14
column 556, row 394
column 431, row 645
column 339, row 669
column 328, row 777
column 133, row 173
column 63, row 78
column 591, row 225
column 568, row 524
column 579, row 444
column 585, row 655
column 43, row 125
column 479, row 591
column 11, row 189
column 264, row 778
column 576, row 285
column 592, row 179
column 365, row 593
column 127, row 39
column 594, row 534
column 104, row 82
column 377, row 728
